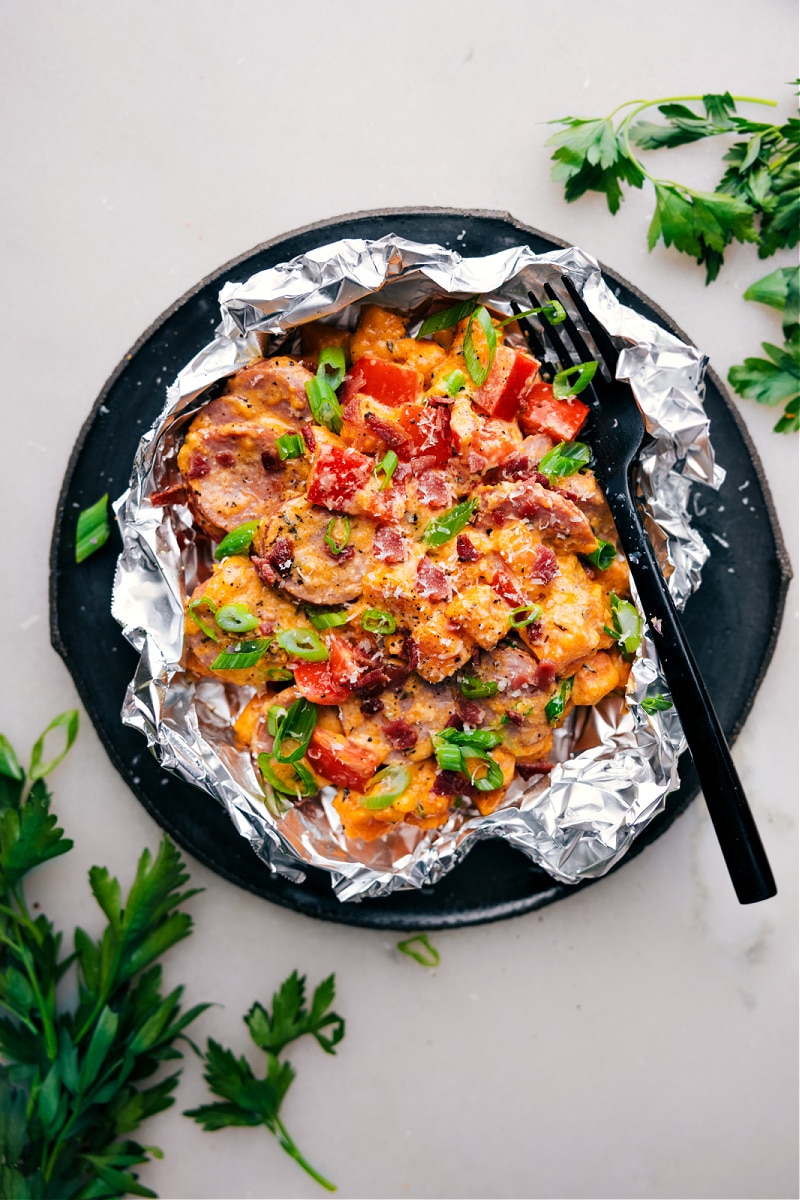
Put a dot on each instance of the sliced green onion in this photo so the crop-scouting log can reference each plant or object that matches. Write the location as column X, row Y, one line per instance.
column 386, row 468
column 565, row 459
column 278, row 674
column 554, row 312
column 240, row 655
column 236, row 618
column 237, row 541
column 654, row 704
column 563, row 389
column 427, row 955
column 477, row 689
column 447, row 318
column 330, row 535
column 305, row 784
column 290, row 445
column 386, row 786
column 603, row 556
column 532, row 613
column 302, row 643
column 331, row 366
column 297, row 726
column 92, row 531
column 325, row 408
column 477, row 739
column 441, row 529
column 449, row 758
column 454, row 382
column 204, row 602
column 627, row 631
column 275, row 714
column 478, row 371
column 494, row 773
column 326, row 620
column 375, row 620
column 554, row 709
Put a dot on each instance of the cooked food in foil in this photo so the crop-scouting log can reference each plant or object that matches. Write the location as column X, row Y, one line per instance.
column 416, row 576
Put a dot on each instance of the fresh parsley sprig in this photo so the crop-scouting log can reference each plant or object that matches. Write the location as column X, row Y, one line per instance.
column 775, row 379
column 72, row 1083
column 248, row 1100
column 759, row 184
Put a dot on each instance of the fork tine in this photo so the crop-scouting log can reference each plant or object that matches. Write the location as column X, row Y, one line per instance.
column 584, row 352
column 532, row 334
column 553, row 336
column 598, row 331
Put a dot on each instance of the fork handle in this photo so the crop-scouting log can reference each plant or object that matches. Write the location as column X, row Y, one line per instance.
column 727, row 804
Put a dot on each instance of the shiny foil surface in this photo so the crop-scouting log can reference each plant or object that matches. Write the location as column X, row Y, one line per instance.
column 615, row 763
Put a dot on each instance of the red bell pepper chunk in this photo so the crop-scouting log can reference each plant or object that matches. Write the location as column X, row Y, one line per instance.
column 508, row 381
column 561, row 420
column 340, row 760
column 316, row 682
column 337, row 473
column 387, row 382
column 427, row 427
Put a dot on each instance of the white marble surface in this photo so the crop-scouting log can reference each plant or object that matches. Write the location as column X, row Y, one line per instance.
column 638, row 1040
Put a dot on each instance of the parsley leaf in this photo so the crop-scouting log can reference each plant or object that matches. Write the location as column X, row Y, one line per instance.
column 247, row 1100
column 775, row 380
column 590, row 156
column 74, row 1083
column 685, row 125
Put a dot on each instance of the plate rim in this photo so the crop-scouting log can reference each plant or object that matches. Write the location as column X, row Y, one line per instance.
column 389, row 919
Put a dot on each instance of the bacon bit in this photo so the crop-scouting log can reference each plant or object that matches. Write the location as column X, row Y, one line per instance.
column 454, row 722
column 528, row 770
column 270, row 460
column 198, row 466
column 266, row 628
column 308, row 436
column 396, row 672
column 264, row 571
column 389, row 546
column 432, row 583
column 281, row 557
column 175, row 494
column 545, row 565
column 226, row 458
column 371, row 706
column 466, row 551
column 344, row 555
column 476, row 463
column 515, row 466
column 390, row 433
column 545, row 675
column 370, row 684
column 411, row 652
column 400, row 734
column 514, row 717
column 506, row 588
column 433, row 490
column 470, row 712
column 449, row 783
column 351, row 411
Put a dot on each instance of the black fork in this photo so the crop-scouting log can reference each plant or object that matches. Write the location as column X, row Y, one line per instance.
column 616, row 438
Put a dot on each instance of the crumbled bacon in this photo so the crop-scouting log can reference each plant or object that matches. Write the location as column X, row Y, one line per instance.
column 545, row 565
column 175, row 494
column 514, row 717
column 395, row 672
column 264, row 571
column 198, row 466
column 340, row 556
column 308, row 436
column 432, row 490
column 411, row 652
column 400, row 734
column 432, row 582
column 270, row 460
column 466, row 551
column 528, row 770
column 454, row 722
column 448, row 783
column 226, row 458
column 389, row 546
column 371, row 683
column 281, row 556
column 470, row 712
column 371, row 706
column 545, row 675
column 266, row 628
column 506, row 588
column 390, row 433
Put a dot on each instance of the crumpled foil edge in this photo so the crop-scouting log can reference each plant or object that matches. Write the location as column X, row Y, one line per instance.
column 576, row 823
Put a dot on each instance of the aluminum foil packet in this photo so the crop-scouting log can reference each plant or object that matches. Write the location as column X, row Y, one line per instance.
column 615, row 762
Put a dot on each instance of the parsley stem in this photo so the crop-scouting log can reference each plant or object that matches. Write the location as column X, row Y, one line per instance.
column 291, row 1149
column 23, row 954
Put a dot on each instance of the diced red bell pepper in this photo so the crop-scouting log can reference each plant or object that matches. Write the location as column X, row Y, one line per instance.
column 427, row 427
column 561, row 420
column 387, row 382
column 316, row 682
column 336, row 475
column 508, row 381
column 340, row 760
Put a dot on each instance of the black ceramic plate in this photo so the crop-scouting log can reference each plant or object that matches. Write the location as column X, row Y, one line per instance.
column 731, row 622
